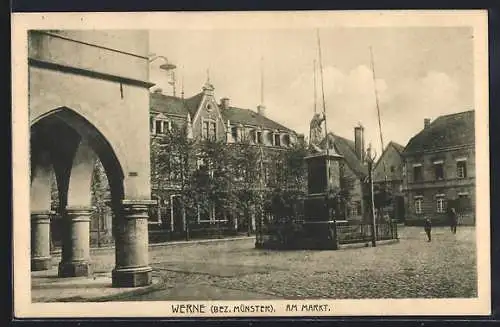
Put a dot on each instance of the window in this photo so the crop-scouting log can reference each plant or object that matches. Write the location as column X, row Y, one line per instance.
column 211, row 213
column 417, row 173
column 212, row 132
column 277, row 140
column 438, row 170
column 355, row 209
column 418, row 205
column 286, row 140
column 462, row 169
column 158, row 127
column 209, row 130
column 204, row 132
column 267, row 173
column 174, row 165
column 440, row 204
column 259, row 137
column 234, row 133
column 393, row 169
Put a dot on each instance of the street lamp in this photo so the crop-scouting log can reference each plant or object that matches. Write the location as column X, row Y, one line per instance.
column 370, row 159
column 167, row 67
column 259, row 237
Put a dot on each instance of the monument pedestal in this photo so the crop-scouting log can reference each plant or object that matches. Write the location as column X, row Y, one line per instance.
column 319, row 230
column 320, row 235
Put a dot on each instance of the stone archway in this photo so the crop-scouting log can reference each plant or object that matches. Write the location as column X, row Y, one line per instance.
column 66, row 141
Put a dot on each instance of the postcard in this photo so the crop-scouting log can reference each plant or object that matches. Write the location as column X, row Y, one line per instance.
column 251, row 164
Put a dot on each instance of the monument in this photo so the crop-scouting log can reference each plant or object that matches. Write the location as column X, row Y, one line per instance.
column 323, row 176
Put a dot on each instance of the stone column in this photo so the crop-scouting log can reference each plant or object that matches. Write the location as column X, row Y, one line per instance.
column 131, row 245
column 75, row 261
column 40, row 240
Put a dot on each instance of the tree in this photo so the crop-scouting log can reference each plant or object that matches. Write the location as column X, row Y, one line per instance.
column 296, row 169
column 173, row 163
column 246, row 173
column 339, row 198
column 210, row 187
column 100, row 195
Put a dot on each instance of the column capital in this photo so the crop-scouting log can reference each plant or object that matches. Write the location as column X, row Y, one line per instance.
column 41, row 216
column 79, row 210
column 79, row 213
column 131, row 203
column 42, row 212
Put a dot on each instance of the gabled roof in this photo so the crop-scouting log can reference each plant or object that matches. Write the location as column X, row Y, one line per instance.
column 444, row 132
column 398, row 147
column 167, row 104
column 249, row 117
column 345, row 147
column 396, row 175
column 193, row 103
column 177, row 106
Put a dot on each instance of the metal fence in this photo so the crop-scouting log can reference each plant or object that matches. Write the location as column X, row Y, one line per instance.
column 354, row 232
column 283, row 234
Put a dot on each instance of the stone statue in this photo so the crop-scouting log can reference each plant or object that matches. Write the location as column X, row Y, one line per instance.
column 315, row 131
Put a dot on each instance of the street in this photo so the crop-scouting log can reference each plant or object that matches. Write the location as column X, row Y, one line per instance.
column 412, row 268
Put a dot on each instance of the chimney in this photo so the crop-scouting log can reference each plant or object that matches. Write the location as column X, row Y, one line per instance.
column 359, row 142
column 224, row 103
column 261, row 110
column 427, row 122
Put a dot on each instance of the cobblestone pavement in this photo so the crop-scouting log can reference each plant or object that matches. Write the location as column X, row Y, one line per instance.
column 412, row 268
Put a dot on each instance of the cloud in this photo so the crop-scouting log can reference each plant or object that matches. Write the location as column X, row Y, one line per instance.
column 350, row 98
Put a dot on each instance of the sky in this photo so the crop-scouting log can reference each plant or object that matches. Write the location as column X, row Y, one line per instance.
column 421, row 72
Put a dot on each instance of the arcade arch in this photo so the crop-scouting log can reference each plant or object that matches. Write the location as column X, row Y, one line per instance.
column 67, row 143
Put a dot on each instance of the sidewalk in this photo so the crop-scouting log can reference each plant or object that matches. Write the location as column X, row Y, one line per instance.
column 46, row 286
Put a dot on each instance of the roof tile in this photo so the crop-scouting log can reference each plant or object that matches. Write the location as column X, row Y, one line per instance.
column 444, row 132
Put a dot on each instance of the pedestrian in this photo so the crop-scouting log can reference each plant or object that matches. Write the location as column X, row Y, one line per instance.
column 453, row 220
column 428, row 228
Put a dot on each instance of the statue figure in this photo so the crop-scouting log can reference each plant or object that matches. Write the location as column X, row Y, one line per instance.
column 315, row 131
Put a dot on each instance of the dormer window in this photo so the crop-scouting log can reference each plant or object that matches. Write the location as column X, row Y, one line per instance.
column 286, row 140
column 259, row 137
column 160, row 125
column 277, row 140
column 234, row 133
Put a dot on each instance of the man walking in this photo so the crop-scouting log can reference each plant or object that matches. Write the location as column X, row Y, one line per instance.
column 428, row 228
column 453, row 220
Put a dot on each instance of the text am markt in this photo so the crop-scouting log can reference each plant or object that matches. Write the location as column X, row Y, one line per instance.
column 307, row 307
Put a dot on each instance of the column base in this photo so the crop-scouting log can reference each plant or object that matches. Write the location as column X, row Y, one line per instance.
column 75, row 269
column 42, row 263
column 132, row 277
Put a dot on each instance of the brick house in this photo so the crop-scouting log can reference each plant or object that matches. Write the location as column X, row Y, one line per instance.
column 354, row 167
column 203, row 117
column 439, row 170
column 388, row 170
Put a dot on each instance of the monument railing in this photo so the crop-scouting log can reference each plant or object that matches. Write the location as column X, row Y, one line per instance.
column 289, row 231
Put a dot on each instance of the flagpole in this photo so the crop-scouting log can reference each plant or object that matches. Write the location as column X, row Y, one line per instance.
column 315, row 88
column 379, row 125
column 322, row 91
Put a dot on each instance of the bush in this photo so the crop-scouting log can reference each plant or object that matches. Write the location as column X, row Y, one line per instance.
column 285, row 235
